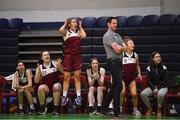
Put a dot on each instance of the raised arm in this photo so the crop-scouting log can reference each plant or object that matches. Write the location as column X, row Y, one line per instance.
column 82, row 33
column 62, row 29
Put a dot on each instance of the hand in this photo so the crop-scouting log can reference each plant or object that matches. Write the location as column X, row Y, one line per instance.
column 155, row 92
column 59, row 61
column 139, row 77
column 65, row 22
column 117, row 47
column 96, row 76
column 17, row 87
column 80, row 24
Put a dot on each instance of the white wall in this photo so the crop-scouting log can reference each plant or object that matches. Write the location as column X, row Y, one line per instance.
column 170, row 7
column 58, row 10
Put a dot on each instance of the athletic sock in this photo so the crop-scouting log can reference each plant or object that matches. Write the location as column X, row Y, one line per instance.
column 78, row 92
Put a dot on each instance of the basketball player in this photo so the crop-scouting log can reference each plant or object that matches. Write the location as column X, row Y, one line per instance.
column 22, row 83
column 72, row 33
column 130, row 65
column 95, row 75
column 47, row 75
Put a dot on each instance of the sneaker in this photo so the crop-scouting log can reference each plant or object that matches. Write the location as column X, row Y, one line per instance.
column 21, row 111
column 78, row 101
column 64, row 101
column 31, row 111
column 136, row 113
column 98, row 109
column 56, row 110
column 91, row 110
column 118, row 116
column 42, row 110
column 111, row 111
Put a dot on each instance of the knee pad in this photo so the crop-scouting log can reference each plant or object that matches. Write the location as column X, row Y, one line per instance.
column 56, row 87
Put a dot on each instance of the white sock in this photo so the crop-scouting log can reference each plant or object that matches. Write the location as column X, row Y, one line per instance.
column 99, row 105
column 31, row 106
column 111, row 105
column 64, row 93
column 78, row 92
column 20, row 106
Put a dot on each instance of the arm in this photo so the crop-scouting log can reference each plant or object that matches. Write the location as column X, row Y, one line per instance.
column 15, row 82
column 101, row 80
column 118, row 48
column 59, row 65
column 82, row 33
column 29, row 78
column 149, row 80
column 165, row 79
column 138, row 69
column 62, row 29
column 37, row 74
column 90, row 80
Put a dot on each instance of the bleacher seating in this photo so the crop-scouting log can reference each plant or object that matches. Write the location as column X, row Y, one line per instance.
column 150, row 33
column 9, row 31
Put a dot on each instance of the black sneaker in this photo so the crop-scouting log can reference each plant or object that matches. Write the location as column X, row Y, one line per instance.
column 21, row 111
column 42, row 110
column 56, row 110
column 99, row 109
column 106, row 113
column 31, row 111
column 91, row 110
column 119, row 116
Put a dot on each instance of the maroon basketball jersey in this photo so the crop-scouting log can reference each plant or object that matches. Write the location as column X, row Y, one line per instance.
column 72, row 42
column 49, row 74
column 129, row 65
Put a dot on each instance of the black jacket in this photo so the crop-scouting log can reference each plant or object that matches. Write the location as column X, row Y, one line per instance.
column 157, row 77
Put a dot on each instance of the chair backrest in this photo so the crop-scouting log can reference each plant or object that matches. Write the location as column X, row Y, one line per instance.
column 143, row 83
column 167, row 19
column 3, row 84
column 121, row 21
column 16, row 23
column 89, row 22
column 4, row 23
column 150, row 20
column 134, row 21
column 102, row 22
column 178, row 20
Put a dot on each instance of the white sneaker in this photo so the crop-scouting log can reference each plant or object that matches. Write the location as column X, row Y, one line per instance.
column 136, row 113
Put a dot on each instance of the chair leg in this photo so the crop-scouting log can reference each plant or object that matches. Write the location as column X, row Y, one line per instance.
column 1, row 102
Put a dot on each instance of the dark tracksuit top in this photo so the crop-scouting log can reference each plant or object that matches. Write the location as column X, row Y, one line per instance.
column 157, row 77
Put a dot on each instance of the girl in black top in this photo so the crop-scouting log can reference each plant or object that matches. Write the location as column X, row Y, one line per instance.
column 157, row 83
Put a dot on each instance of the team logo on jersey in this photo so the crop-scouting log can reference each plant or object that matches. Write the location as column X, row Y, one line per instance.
column 44, row 72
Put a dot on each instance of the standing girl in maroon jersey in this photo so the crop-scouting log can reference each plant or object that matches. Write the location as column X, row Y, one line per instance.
column 72, row 33
column 131, row 65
